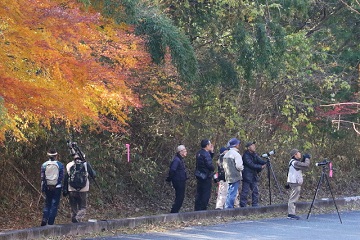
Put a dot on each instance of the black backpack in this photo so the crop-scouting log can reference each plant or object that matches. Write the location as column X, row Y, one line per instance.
column 78, row 175
column 221, row 171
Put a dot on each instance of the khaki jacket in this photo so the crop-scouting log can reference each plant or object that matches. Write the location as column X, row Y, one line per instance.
column 233, row 165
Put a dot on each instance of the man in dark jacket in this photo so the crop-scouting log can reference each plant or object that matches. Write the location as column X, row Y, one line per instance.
column 204, row 173
column 253, row 165
column 178, row 176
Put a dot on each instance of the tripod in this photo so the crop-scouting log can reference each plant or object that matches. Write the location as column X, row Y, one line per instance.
column 322, row 177
column 269, row 172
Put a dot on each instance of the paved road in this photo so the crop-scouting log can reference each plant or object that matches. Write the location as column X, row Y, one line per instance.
column 322, row 226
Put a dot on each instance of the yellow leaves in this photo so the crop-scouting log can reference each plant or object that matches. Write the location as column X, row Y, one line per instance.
column 83, row 48
column 4, row 25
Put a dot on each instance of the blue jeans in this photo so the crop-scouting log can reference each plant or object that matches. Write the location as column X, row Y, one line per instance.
column 231, row 195
column 51, row 205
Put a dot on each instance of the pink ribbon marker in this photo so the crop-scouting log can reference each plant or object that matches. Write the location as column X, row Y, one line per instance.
column 128, row 151
column 331, row 170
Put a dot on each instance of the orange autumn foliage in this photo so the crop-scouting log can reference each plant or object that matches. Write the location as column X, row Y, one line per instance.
column 61, row 63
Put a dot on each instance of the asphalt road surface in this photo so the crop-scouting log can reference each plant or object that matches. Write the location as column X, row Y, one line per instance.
column 318, row 226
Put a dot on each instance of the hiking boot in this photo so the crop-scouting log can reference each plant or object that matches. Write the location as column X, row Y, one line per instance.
column 293, row 217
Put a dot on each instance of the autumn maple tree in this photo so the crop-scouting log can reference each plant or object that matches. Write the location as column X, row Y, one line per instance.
column 63, row 63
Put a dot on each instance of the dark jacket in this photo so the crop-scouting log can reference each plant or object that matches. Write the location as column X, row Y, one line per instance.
column 252, row 166
column 177, row 170
column 204, row 162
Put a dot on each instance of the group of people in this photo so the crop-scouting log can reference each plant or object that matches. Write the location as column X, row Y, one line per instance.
column 233, row 169
column 71, row 181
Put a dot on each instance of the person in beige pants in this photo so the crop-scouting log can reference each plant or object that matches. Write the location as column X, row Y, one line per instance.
column 295, row 179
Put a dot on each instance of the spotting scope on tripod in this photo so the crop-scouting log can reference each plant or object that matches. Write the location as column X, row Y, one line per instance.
column 326, row 165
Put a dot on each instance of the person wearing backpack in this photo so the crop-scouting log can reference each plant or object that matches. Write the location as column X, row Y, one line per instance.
column 222, row 184
column 52, row 173
column 76, row 185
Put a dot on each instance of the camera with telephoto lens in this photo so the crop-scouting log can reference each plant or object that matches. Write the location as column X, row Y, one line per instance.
column 322, row 163
column 268, row 154
column 72, row 146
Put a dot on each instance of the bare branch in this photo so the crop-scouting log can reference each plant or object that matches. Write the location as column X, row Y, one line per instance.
column 351, row 8
column 337, row 104
column 343, row 121
column 357, row 131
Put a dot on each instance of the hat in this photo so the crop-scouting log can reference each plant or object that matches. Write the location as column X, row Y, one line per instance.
column 223, row 149
column 205, row 142
column 180, row 148
column 293, row 152
column 248, row 144
column 233, row 142
column 52, row 152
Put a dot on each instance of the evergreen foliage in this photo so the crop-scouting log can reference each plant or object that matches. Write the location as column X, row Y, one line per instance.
column 160, row 32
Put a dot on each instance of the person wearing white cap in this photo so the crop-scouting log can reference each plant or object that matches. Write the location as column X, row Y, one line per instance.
column 178, row 176
column 52, row 173
column 295, row 179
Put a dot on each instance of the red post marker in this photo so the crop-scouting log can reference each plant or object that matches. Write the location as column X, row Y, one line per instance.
column 330, row 169
column 128, row 151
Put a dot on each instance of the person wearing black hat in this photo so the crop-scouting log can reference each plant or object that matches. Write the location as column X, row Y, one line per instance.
column 295, row 179
column 253, row 165
column 178, row 176
column 52, row 173
column 233, row 165
column 204, row 173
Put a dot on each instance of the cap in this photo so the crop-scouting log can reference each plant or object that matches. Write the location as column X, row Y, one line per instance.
column 233, row 142
column 248, row 144
column 52, row 152
column 205, row 142
column 293, row 152
column 180, row 148
column 223, row 149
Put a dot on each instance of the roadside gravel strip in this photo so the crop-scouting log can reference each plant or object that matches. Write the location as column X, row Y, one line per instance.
column 164, row 222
